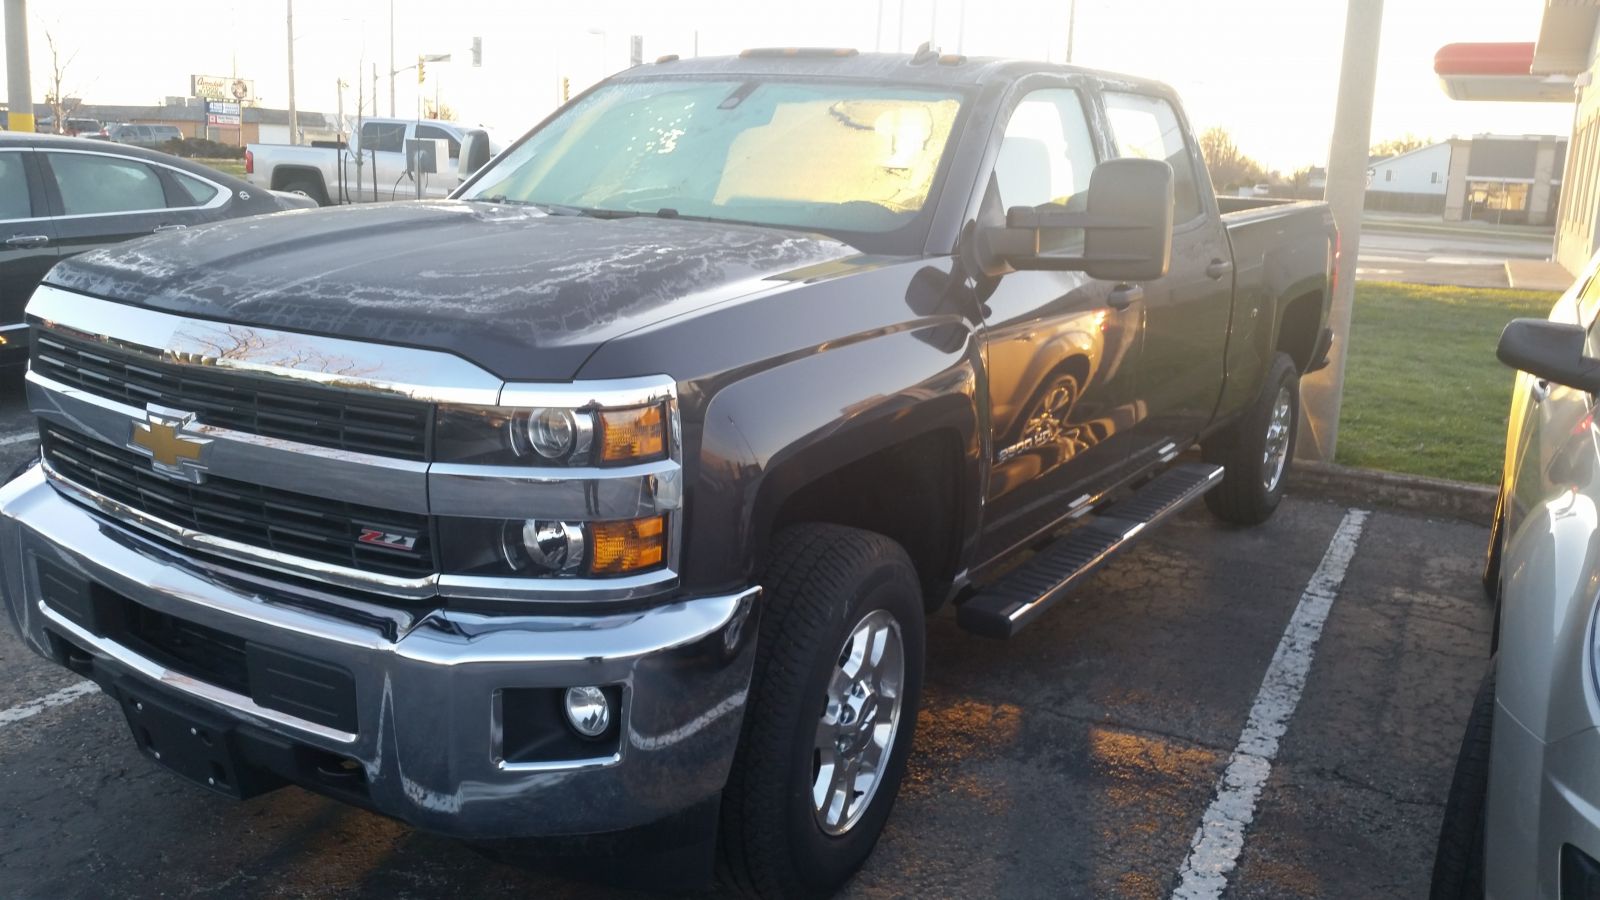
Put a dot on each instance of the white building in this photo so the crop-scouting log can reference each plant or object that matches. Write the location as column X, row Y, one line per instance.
column 1424, row 170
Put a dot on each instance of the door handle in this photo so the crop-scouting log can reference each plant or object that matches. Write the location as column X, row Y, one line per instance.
column 28, row 240
column 160, row 228
column 1218, row 268
column 1124, row 295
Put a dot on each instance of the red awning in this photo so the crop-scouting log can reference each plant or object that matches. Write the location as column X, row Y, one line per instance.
column 1497, row 72
column 1483, row 59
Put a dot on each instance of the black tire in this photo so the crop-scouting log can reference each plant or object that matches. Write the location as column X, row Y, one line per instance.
column 1458, row 863
column 821, row 581
column 304, row 184
column 1244, row 497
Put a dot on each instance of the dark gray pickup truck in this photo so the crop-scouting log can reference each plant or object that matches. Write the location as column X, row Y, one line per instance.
column 612, row 494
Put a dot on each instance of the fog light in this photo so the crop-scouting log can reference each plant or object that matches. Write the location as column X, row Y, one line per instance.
column 588, row 711
column 546, row 545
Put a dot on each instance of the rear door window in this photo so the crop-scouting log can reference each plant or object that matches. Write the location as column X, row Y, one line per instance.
column 390, row 136
column 1147, row 127
column 433, row 132
column 92, row 184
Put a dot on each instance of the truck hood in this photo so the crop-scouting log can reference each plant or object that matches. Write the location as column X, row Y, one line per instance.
column 526, row 295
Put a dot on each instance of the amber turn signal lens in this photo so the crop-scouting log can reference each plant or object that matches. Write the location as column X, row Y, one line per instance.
column 632, row 434
column 628, row 546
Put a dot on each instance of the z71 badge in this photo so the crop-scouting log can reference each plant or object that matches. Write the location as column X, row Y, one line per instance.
column 394, row 540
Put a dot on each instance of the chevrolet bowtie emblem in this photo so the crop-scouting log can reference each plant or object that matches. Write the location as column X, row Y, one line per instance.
column 171, row 452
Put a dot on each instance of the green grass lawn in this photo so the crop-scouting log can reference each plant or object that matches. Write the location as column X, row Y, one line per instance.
column 1423, row 391
column 234, row 167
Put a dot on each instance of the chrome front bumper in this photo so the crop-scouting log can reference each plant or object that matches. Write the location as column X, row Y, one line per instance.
column 426, row 687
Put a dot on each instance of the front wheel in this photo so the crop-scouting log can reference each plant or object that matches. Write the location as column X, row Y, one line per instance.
column 1458, row 861
column 1257, row 451
column 831, row 712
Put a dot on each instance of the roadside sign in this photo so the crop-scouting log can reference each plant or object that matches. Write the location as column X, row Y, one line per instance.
column 222, row 112
column 222, row 87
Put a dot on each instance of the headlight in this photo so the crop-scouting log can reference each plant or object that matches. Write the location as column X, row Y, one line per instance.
column 544, row 548
column 550, row 436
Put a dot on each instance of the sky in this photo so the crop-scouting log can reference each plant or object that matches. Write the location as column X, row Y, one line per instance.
column 1267, row 70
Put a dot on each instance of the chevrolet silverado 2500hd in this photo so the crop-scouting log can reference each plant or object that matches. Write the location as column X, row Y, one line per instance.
column 615, row 490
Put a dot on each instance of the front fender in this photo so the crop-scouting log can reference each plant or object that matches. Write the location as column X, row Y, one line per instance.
column 773, row 432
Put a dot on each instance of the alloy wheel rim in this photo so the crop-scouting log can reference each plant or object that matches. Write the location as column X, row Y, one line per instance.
column 860, row 720
column 1276, row 454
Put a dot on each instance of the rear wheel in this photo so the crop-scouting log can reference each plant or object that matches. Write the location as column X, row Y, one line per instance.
column 831, row 713
column 306, row 186
column 1458, row 862
column 1257, row 451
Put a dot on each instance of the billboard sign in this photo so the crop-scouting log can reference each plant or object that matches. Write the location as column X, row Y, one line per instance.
column 221, row 87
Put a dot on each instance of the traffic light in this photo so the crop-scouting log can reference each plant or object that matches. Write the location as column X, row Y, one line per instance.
column 566, row 89
column 422, row 74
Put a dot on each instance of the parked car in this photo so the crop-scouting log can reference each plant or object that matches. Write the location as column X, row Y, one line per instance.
column 372, row 168
column 153, row 136
column 612, row 494
column 1523, row 815
column 60, row 196
column 85, row 128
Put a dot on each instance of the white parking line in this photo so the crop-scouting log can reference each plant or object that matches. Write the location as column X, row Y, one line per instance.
column 1217, row 842
column 18, row 438
column 33, row 707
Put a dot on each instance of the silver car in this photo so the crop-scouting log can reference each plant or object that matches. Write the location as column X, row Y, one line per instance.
column 1523, row 815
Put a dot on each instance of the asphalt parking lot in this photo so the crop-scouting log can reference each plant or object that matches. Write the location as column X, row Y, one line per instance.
column 1078, row 760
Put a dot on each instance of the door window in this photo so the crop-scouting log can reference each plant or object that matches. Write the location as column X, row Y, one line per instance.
column 1046, row 156
column 433, row 132
column 14, row 202
column 91, row 184
column 1146, row 127
column 389, row 136
column 197, row 191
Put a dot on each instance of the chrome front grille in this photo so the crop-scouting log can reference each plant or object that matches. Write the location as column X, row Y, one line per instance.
column 309, row 413
column 299, row 525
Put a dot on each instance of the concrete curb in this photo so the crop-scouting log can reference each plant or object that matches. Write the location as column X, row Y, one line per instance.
column 1413, row 493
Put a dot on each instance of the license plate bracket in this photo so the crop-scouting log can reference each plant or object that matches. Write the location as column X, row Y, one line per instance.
column 198, row 746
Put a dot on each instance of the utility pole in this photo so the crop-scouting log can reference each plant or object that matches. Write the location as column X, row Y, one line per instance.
column 933, row 24
column 1322, row 393
column 900, row 28
column 294, row 117
column 961, row 28
column 391, row 64
column 19, row 87
column 877, row 35
column 1072, row 28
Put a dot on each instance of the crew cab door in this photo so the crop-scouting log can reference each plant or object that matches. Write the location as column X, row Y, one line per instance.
column 1058, row 358
column 383, row 144
column 1186, row 313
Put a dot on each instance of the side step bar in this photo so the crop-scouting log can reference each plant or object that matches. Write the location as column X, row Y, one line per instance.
column 1001, row 609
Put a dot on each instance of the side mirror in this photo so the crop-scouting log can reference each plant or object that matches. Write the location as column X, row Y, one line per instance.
column 1127, row 228
column 474, row 153
column 1550, row 350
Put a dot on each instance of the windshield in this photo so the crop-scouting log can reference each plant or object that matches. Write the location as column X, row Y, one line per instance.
column 830, row 157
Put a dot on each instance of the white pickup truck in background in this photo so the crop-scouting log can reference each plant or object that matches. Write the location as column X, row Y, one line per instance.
column 372, row 167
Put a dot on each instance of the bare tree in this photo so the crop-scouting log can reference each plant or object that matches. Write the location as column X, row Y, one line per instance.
column 1230, row 168
column 1399, row 145
column 61, row 105
column 443, row 110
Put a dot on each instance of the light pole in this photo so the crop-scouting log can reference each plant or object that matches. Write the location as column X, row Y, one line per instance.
column 294, row 118
column 19, row 87
column 392, row 72
column 1322, row 393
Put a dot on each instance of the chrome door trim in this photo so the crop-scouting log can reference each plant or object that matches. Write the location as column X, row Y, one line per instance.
column 331, row 362
column 360, row 478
